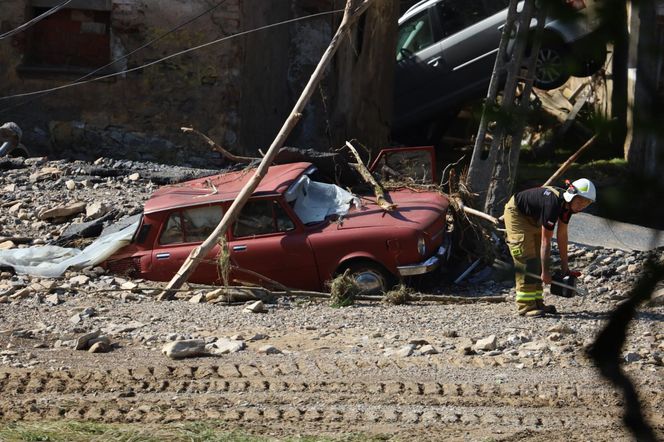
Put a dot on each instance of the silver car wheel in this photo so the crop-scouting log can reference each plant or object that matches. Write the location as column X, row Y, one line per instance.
column 549, row 65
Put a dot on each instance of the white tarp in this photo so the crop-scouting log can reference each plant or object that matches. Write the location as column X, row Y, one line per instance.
column 52, row 261
column 315, row 201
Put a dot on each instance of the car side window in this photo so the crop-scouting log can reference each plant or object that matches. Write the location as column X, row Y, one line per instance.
column 260, row 218
column 456, row 16
column 200, row 222
column 414, row 35
column 191, row 225
column 173, row 232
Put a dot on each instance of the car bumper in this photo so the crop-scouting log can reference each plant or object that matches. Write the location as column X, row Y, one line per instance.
column 427, row 266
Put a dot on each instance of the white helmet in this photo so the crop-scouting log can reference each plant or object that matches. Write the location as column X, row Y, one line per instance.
column 581, row 187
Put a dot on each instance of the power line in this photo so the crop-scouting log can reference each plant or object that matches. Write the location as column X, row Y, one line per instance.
column 27, row 24
column 176, row 54
column 154, row 40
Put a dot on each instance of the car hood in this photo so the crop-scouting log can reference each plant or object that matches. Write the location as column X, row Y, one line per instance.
column 414, row 210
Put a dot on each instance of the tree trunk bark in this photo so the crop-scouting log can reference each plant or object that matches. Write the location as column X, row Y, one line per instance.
column 644, row 151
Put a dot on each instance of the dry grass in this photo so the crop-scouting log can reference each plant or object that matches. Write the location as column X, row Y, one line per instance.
column 399, row 295
column 343, row 290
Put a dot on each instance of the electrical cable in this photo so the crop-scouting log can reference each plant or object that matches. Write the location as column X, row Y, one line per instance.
column 176, row 54
column 112, row 62
column 28, row 24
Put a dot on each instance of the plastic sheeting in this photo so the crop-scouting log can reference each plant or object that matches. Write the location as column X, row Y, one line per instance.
column 315, row 201
column 53, row 261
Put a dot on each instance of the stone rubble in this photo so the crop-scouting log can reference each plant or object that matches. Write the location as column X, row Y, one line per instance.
column 85, row 309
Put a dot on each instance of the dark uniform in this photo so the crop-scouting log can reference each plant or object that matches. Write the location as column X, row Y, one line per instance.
column 525, row 214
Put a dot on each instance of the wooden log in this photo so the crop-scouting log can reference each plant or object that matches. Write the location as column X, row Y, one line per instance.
column 366, row 175
column 354, row 8
column 566, row 165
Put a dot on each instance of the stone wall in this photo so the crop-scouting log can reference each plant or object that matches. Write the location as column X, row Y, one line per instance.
column 146, row 106
column 239, row 92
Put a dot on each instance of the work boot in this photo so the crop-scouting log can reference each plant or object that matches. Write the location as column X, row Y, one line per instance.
column 550, row 309
column 529, row 309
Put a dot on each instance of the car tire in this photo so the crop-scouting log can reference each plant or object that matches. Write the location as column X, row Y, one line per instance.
column 551, row 66
column 372, row 278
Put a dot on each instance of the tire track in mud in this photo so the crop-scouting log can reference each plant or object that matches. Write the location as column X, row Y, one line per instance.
column 329, row 394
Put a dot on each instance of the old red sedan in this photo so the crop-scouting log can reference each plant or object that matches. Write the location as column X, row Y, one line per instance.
column 293, row 230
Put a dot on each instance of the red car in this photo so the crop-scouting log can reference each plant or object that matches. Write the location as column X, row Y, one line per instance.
column 293, row 230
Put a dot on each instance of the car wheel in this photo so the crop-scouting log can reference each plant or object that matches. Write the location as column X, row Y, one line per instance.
column 551, row 70
column 371, row 277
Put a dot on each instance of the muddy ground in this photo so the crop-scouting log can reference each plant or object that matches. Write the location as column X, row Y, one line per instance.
column 423, row 371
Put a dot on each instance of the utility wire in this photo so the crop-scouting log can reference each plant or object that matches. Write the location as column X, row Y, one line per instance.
column 26, row 25
column 156, row 39
column 195, row 48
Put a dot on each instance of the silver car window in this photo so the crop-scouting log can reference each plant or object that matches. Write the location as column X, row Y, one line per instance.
column 415, row 35
column 456, row 16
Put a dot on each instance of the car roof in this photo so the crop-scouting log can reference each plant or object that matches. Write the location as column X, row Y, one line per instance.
column 223, row 187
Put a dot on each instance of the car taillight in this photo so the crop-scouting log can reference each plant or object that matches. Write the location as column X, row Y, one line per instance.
column 576, row 4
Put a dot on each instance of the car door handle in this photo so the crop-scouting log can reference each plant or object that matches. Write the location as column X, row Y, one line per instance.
column 240, row 248
column 435, row 62
column 163, row 255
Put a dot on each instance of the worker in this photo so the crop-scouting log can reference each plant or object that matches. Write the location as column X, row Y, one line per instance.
column 530, row 218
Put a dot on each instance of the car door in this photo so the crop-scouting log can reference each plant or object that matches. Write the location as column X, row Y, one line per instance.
column 472, row 32
column 182, row 231
column 267, row 241
column 419, row 64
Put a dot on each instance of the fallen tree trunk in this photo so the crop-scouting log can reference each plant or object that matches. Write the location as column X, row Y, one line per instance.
column 354, row 8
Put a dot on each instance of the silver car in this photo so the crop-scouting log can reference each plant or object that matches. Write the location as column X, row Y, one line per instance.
column 446, row 50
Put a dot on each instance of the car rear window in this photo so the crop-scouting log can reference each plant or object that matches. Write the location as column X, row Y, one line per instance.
column 191, row 225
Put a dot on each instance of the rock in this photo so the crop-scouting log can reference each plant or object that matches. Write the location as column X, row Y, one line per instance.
column 184, row 349
column 256, row 307
column 99, row 347
column 70, row 184
column 258, row 337
column 428, row 350
column 22, row 293
column 534, row 346
column 53, row 299
column 405, row 351
column 486, row 344
column 418, row 342
column 45, row 173
column 88, row 312
column 128, row 285
column 62, row 211
column 269, row 350
column 6, row 245
column 225, row 346
column 562, row 329
column 197, row 299
column 657, row 298
column 633, row 268
column 82, row 342
column 116, row 329
column 555, row 337
column 134, row 176
column 9, row 188
column 465, row 347
column 96, row 210
column 632, row 357
column 79, row 280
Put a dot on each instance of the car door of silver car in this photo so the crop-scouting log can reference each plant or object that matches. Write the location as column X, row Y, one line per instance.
column 419, row 62
column 472, row 35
